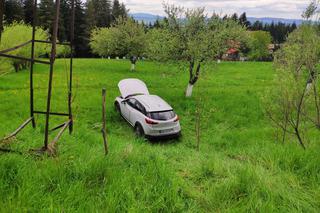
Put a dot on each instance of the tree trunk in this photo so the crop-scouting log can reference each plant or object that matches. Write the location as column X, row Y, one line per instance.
column 193, row 77
column 133, row 67
column 16, row 66
column 133, row 60
column 189, row 90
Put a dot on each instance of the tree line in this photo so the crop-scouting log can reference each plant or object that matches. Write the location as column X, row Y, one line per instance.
column 88, row 15
column 278, row 31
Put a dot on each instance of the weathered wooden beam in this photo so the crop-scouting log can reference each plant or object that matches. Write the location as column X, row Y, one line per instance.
column 58, row 127
column 51, row 113
column 71, row 66
column 52, row 59
column 15, row 47
column 34, row 20
column 17, row 130
column 49, row 42
column 51, row 147
column 24, row 58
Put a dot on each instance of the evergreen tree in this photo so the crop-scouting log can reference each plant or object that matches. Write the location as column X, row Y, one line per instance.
column 257, row 26
column 90, row 15
column 13, row 11
column 243, row 20
column 46, row 14
column 234, row 17
column 98, row 13
column 103, row 13
column 64, row 20
column 123, row 11
column 225, row 17
column 81, row 33
column 293, row 27
column 157, row 24
column 116, row 10
column 28, row 11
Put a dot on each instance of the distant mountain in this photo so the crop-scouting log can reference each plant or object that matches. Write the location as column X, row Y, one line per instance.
column 146, row 17
column 150, row 18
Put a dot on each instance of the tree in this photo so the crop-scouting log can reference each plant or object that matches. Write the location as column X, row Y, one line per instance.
column 98, row 13
column 13, row 11
column 234, row 17
column 243, row 20
column 28, row 11
column 103, row 13
column 81, row 34
column 123, row 11
column 17, row 33
column 295, row 102
column 258, row 44
column 194, row 39
column 257, row 25
column 46, row 14
column 116, row 10
column 125, row 38
column 311, row 10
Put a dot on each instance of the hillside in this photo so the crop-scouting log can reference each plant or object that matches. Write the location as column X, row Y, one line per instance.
column 240, row 167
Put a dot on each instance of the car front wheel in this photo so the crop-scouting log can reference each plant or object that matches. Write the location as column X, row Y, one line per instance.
column 139, row 130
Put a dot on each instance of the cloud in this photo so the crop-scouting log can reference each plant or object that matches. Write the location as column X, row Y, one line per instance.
column 255, row 8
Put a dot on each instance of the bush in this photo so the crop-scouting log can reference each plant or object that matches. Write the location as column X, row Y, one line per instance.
column 18, row 33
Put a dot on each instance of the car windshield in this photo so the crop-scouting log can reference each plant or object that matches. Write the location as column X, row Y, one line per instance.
column 162, row 116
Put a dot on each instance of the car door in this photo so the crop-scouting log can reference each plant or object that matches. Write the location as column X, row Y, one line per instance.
column 129, row 109
column 137, row 113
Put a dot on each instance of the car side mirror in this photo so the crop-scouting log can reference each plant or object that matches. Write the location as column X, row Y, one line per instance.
column 124, row 101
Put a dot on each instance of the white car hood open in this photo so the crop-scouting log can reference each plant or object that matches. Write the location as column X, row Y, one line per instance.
column 132, row 86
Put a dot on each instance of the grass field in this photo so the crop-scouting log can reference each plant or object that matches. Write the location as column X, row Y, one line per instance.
column 240, row 166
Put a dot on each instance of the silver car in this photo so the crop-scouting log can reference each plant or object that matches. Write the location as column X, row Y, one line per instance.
column 150, row 115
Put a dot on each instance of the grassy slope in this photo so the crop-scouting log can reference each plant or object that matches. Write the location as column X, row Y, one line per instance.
column 240, row 167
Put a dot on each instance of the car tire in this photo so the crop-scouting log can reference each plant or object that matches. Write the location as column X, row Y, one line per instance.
column 139, row 130
column 117, row 107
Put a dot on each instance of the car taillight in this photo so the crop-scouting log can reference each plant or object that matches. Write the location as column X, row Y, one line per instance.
column 177, row 119
column 148, row 121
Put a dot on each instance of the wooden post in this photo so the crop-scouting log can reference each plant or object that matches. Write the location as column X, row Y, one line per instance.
column 35, row 3
column 52, row 60
column 71, row 66
column 103, row 130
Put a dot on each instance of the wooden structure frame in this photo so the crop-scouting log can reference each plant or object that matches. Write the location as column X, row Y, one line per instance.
column 32, row 60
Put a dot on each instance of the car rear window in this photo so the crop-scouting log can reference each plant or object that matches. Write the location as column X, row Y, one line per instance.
column 162, row 116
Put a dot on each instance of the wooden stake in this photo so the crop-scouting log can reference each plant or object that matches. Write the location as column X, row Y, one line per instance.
column 103, row 130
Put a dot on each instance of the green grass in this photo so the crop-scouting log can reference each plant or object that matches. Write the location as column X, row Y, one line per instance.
column 240, row 166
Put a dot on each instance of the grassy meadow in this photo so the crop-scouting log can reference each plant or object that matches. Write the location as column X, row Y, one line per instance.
column 240, row 166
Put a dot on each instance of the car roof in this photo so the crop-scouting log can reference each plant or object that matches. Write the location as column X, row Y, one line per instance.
column 153, row 103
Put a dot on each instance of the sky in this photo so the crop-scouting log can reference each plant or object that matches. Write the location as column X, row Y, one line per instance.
column 254, row 8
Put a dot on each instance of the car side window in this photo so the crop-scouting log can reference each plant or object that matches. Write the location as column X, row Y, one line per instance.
column 132, row 102
column 140, row 108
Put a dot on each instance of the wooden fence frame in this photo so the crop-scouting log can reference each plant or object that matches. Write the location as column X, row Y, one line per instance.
column 51, row 62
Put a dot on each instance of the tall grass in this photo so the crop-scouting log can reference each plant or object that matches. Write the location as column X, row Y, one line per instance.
column 240, row 166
